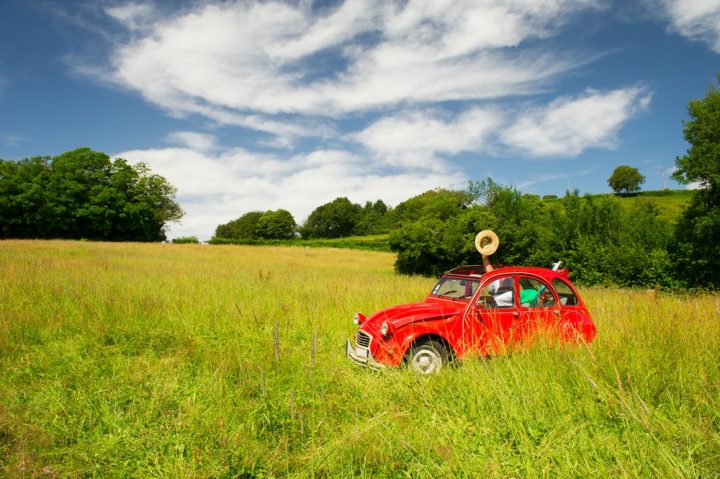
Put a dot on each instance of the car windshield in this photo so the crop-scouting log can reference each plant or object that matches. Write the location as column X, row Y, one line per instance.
column 456, row 288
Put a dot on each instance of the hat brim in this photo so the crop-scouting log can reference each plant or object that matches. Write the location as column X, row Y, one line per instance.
column 487, row 242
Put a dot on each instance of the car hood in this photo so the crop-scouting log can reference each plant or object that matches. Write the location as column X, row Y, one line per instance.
column 413, row 312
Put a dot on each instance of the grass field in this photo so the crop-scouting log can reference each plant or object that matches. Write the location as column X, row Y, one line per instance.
column 369, row 242
column 149, row 360
column 670, row 203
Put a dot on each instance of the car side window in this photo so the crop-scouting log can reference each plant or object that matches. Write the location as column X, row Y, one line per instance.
column 565, row 292
column 499, row 293
column 535, row 293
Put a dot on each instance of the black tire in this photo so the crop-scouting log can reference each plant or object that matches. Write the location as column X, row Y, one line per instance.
column 428, row 357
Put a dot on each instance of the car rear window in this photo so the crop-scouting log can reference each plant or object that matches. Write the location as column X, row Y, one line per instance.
column 565, row 292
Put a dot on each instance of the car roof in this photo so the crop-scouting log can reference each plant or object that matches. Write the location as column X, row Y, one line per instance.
column 468, row 270
column 479, row 270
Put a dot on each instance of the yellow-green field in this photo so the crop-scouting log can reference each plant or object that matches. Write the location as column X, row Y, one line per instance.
column 149, row 360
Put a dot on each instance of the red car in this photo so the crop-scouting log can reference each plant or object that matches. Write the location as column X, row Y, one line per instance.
column 471, row 312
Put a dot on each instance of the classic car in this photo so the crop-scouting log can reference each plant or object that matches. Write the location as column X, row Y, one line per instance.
column 473, row 312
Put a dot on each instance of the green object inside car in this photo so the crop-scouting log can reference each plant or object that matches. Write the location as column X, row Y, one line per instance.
column 528, row 296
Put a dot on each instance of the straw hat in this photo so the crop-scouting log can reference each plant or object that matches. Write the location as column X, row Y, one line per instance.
column 487, row 242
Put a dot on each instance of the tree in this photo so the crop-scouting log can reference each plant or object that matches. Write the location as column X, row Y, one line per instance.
column 332, row 220
column 244, row 227
column 256, row 225
column 23, row 197
column 374, row 219
column 625, row 179
column 83, row 194
column 696, row 247
column 154, row 197
column 439, row 203
column 278, row 224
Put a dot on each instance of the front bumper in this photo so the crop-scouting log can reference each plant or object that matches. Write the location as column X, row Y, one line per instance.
column 362, row 356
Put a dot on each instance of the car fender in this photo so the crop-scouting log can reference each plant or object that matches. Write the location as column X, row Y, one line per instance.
column 411, row 332
column 576, row 325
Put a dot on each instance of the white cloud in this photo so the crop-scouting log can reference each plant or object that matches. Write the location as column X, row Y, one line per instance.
column 193, row 140
column 11, row 139
column 216, row 187
column 568, row 126
column 135, row 16
column 695, row 19
column 233, row 59
column 546, row 177
column 416, row 138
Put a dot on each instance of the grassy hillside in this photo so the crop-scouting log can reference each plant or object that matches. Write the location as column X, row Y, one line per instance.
column 670, row 202
column 148, row 360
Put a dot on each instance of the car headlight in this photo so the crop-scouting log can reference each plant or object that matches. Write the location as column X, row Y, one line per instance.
column 359, row 318
column 384, row 328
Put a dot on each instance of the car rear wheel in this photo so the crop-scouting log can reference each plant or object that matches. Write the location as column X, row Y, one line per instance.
column 428, row 357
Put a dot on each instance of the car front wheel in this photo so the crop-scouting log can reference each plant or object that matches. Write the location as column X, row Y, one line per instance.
column 428, row 357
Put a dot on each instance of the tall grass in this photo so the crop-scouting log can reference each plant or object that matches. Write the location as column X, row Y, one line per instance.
column 228, row 361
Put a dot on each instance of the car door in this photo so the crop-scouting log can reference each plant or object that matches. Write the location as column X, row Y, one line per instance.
column 539, row 308
column 493, row 315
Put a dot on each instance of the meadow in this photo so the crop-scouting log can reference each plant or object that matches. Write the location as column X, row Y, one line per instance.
column 160, row 360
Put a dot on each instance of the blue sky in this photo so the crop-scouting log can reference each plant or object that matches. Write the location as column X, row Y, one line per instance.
column 263, row 105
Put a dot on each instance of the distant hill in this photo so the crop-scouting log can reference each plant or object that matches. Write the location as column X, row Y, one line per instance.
column 670, row 202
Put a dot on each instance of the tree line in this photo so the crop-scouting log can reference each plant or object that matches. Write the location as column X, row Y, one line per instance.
column 82, row 194
column 340, row 218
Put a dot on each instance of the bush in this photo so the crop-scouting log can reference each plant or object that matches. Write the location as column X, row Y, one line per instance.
column 186, row 240
column 257, row 225
column 601, row 242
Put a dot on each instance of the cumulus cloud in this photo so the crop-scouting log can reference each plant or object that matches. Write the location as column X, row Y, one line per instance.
column 695, row 19
column 568, row 126
column 417, row 138
column 215, row 187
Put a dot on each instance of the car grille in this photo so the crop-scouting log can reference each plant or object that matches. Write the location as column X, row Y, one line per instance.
column 362, row 339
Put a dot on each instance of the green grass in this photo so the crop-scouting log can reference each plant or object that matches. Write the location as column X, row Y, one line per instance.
column 366, row 243
column 145, row 360
column 670, row 203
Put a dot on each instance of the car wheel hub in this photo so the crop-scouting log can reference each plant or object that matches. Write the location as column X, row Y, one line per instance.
column 426, row 362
